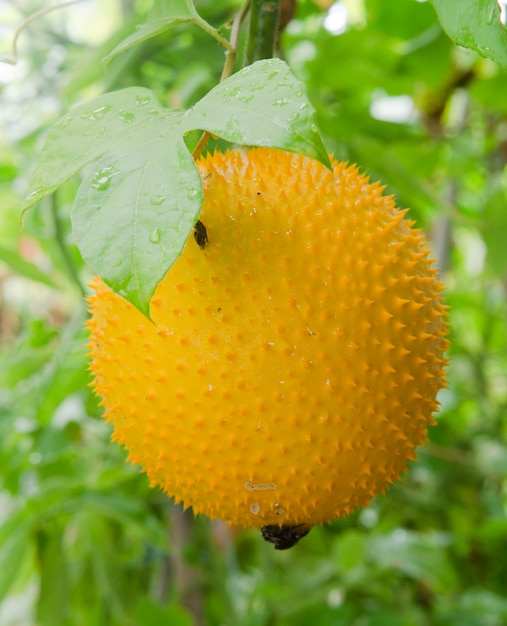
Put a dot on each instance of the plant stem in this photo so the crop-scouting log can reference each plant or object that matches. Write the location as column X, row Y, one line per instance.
column 59, row 238
column 264, row 23
column 214, row 33
column 230, row 58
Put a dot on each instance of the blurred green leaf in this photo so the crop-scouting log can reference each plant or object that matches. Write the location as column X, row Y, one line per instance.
column 147, row 613
column 53, row 605
column 494, row 229
column 164, row 15
column 350, row 549
column 14, row 547
column 418, row 555
column 23, row 267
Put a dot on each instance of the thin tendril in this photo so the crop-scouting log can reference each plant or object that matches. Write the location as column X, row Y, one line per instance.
column 26, row 23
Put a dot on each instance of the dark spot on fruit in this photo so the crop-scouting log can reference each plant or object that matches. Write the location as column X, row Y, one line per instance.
column 284, row 537
column 200, row 234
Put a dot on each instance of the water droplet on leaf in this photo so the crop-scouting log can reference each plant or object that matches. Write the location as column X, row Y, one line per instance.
column 155, row 235
column 142, row 100
column 126, row 116
column 492, row 14
column 96, row 114
column 103, row 177
column 65, row 121
column 157, row 200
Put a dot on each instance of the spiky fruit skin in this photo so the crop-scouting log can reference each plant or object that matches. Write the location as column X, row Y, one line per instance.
column 292, row 365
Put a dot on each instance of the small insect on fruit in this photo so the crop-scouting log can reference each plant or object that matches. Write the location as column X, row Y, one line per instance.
column 200, row 234
column 284, row 537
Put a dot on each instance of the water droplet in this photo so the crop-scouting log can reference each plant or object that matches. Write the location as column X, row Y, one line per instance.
column 96, row 114
column 282, row 102
column 126, row 116
column 103, row 177
column 155, row 235
column 493, row 14
column 193, row 193
column 303, row 106
column 32, row 194
column 157, row 200
column 142, row 100
column 484, row 50
column 255, row 507
column 314, row 128
column 65, row 121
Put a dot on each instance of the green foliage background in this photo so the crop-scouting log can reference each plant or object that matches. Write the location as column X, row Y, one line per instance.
column 83, row 540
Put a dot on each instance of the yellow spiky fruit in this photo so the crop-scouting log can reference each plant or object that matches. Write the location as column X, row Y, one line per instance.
column 292, row 365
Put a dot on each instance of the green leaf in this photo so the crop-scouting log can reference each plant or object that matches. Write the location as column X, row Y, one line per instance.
column 148, row 613
column 421, row 556
column 350, row 548
column 133, row 225
column 482, row 602
column 89, row 130
column 139, row 201
column 23, row 267
column 53, row 601
column 97, row 538
column 164, row 15
column 475, row 24
column 261, row 105
column 494, row 228
column 14, row 543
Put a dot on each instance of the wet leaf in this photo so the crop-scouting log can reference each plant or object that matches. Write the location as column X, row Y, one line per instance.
column 475, row 24
column 132, row 218
column 261, row 105
column 141, row 193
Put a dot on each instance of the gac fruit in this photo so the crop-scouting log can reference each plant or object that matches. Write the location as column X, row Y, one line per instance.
column 293, row 359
